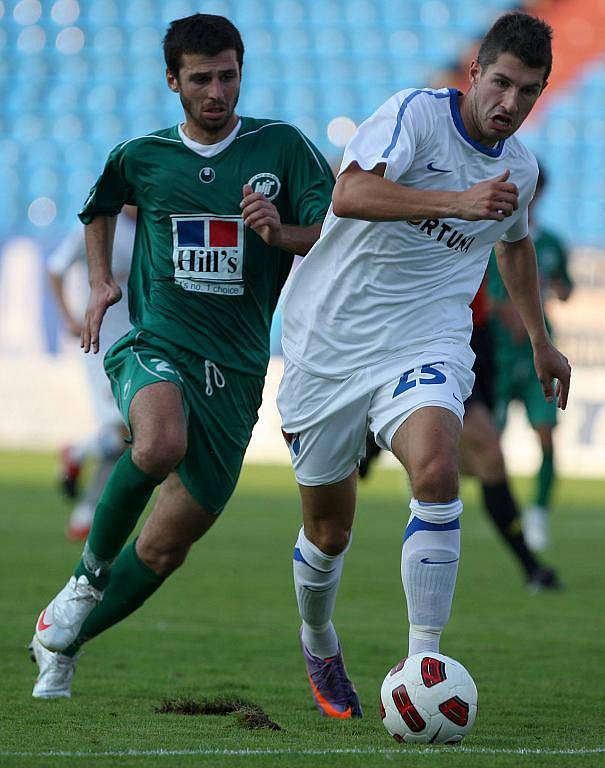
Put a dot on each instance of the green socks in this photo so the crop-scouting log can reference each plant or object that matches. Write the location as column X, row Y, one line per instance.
column 131, row 582
column 546, row 478
column 125, row 497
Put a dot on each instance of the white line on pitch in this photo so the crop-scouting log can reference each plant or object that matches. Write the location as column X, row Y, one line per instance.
column 270, row 752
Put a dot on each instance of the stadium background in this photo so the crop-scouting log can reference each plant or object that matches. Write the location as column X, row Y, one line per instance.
column 78, row 77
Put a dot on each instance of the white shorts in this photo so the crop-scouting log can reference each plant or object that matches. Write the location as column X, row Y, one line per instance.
column 325, row 421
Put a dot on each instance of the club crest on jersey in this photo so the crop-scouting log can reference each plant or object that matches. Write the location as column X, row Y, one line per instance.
column 207, row 175
column 208, row 253
column 267, row 184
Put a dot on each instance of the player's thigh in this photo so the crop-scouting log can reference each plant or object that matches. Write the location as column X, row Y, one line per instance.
column 157, row 414
column 418, row 416
column 427, row 445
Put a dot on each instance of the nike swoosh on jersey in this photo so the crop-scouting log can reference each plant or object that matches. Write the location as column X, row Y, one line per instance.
column 438, row 562
column 457, row 398
column 41, row 623
column 431, row 167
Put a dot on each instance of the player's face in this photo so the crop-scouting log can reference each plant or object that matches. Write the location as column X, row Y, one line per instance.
column 502, row 96
column 209, row 89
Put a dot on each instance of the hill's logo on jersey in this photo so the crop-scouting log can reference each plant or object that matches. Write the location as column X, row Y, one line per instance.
column 207, row 175
column 208, row 253
column 267, row 184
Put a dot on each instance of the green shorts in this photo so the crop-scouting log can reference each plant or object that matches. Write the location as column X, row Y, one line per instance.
column 221, row 406
column 516, row 380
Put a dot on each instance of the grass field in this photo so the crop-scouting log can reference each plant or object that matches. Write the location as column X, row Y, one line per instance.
column 226, row 625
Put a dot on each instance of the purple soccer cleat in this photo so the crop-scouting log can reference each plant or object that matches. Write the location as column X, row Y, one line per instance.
column 333, row 692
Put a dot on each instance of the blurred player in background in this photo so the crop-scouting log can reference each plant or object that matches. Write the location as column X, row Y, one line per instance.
column 376, row 327
column 107, row 444
column 223, row 204
column 515, row 377
column 481, row 455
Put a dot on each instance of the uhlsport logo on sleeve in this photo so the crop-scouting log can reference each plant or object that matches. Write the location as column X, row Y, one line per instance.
column 208, row 253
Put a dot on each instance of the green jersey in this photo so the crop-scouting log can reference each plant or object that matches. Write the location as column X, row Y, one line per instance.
column 551, row 257
column 199, row 277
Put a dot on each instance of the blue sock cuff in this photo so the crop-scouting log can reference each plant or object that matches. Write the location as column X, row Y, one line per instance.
column 416, row 524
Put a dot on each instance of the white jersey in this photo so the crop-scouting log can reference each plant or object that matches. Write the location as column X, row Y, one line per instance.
column 72, row 250
column 371, row 291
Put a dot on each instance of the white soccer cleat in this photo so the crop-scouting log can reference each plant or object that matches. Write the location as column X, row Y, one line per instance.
column 55, row 672
column 536, row 528
column 60, row 622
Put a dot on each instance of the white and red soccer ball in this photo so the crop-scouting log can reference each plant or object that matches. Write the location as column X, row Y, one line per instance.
column 428, row 699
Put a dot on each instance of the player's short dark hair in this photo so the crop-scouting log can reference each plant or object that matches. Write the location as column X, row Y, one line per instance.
column 522, row 35
column 200, row 33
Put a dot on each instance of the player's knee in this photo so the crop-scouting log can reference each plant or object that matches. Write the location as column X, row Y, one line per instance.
column 329, row 539
column 162, row 559
column 436, row 478
column 160, row 456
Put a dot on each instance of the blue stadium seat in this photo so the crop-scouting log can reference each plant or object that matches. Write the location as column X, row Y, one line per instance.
column 288, row 12
column 326, row 12
column 306, row 61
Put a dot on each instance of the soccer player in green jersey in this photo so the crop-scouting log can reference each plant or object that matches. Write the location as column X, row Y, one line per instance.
column 223, row 204
column 516, row 378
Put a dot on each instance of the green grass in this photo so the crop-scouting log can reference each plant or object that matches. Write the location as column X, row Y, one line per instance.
column 226, row 625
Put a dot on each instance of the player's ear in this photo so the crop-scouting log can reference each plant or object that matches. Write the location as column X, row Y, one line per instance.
column 173, row 81
column 474, row 72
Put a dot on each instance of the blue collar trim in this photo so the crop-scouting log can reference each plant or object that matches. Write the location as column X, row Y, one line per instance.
column 458, row 122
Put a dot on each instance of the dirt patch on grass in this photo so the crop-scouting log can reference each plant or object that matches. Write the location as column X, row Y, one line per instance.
column 248, row 714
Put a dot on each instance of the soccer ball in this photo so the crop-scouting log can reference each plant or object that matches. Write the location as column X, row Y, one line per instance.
column 428, row 698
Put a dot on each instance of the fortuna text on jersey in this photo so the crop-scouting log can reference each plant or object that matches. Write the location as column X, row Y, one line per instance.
column 456, row 239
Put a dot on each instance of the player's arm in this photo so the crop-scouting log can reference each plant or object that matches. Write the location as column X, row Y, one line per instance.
column 262, row 217
column 57, row 284
column 517, row 265
column 367, row 195
column 104, row 291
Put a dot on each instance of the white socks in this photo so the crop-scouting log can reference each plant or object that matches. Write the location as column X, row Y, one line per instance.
column 316, row 579
column 429, row 564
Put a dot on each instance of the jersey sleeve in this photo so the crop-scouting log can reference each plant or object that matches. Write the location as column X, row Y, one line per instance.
column 391, row 135
column 520, row 226
column 518, row 230
column 70, row 250
column 310, row 182
column 111, row 190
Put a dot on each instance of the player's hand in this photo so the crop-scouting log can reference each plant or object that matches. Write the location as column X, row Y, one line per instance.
column 102, row 296
column 494, row 199
column 551, row 365
column 261, row 216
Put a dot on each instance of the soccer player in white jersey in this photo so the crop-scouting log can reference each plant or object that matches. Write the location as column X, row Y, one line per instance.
column 376, row 327
column 107, row 443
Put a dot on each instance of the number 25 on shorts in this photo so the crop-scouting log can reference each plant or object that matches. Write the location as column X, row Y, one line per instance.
column 428, row 375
